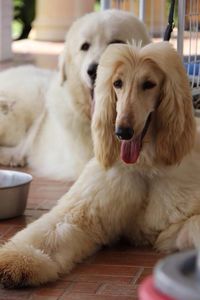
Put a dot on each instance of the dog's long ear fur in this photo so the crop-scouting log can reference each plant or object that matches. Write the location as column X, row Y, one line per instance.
column 175, row 123
column 106, row 145
column 63, row 61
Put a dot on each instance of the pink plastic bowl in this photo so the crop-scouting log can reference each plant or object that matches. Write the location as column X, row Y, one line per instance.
column 147, row 291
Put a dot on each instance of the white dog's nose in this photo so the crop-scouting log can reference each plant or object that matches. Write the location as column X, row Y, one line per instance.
column 92, row 71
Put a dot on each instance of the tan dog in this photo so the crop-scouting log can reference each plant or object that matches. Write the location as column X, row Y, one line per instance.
column 150, row 195
column 49, row 126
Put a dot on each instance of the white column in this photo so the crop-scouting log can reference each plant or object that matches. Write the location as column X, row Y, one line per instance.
column 105, row 4
column 54, row 17
column 5, row 29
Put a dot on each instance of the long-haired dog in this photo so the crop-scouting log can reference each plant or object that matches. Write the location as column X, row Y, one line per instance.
column 143, row 182
column 48, row 124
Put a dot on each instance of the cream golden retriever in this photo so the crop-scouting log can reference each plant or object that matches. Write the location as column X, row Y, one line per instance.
column 143, row 182
column 45, row 119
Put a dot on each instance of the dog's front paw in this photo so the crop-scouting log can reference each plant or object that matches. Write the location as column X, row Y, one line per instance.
column 188, row 236
column 17, row 162
column 25, row 266
column 10, row 157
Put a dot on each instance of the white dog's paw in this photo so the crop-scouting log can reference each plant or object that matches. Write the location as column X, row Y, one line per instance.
column 8, row 157
column 25, row 267
column 18, row 162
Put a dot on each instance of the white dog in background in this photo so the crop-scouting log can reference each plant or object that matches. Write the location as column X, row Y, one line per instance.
column 143, row 182
column 53, row 132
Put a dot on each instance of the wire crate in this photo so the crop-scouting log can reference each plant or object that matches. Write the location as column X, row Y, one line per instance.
column 186, row 33
column 188, row 43
column 152, row 12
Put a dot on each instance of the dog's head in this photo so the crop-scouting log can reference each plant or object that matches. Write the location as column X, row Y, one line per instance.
column 89, row 36
column 142, row 99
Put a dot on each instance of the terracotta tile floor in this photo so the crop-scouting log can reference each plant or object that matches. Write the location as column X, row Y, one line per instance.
column 113, row 273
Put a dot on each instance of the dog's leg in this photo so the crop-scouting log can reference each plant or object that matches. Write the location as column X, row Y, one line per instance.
column 180, row 236
column 46, row 248
column 17, row 156
column 95, row 211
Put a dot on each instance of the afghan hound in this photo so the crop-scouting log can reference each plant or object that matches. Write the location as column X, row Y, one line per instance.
column 143, row 182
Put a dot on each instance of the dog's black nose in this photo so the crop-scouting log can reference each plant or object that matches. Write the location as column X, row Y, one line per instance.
column 124, row 133
column 92, row 71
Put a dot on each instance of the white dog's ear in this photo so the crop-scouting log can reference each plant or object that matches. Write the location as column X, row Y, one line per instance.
column 175, row 121
column 106, row 145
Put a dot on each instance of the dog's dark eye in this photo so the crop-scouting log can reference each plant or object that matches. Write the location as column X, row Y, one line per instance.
column 118, row 84
column 85, row 46
column 147, row 85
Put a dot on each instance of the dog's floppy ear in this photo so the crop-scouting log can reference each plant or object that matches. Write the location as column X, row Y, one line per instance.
column 106, row 145
column 175, row 123
column 62, row 65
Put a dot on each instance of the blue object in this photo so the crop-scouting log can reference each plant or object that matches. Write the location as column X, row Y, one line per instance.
column 192, row 68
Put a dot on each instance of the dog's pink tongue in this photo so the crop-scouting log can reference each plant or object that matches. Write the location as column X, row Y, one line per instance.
column 130, row 150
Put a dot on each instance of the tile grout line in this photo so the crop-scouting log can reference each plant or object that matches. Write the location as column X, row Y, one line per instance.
column 137, row 276
column 100, row 288
column 66, row 290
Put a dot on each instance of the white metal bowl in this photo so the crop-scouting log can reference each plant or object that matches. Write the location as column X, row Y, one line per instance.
column 14, row 188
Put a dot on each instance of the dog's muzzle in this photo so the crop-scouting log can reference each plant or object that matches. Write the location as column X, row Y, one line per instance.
column 131, row 144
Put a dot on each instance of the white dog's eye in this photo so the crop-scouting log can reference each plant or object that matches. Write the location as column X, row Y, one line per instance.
column 147, row 85
column 116, row 42
column 118, row 84
column 85, row 46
